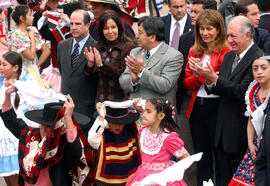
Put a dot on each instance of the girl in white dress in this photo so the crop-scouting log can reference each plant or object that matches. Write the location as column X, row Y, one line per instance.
column 10, row 68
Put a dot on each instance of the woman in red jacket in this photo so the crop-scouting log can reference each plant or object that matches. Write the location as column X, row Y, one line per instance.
column 210, row 47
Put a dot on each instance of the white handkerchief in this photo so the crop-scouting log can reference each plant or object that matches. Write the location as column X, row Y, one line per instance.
column 173, row 173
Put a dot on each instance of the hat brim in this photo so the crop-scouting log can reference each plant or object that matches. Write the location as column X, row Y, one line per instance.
column 107, row 2
column 36, row 116
column 130, row 118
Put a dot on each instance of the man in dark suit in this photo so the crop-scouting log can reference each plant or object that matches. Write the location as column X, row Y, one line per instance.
column 187, row 41
column 71, row 61
column 230, row 84
column 264, row 7
column 177, row 22
column 249, row 9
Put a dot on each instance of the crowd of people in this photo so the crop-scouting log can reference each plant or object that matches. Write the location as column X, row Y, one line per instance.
column 85, row 100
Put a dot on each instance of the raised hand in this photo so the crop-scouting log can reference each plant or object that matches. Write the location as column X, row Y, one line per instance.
column 97, row 57
column 69, row 105
column 192, row 64
column 135, row 65
column 89, row 54
column 138, row 108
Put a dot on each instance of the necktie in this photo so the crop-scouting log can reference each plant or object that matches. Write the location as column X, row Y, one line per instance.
column 235, row 62
column 176, row 35
column 147, row 55
column 75, row 54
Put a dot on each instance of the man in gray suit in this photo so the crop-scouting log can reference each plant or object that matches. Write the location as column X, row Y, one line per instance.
column 152, row 68
column 71, row 61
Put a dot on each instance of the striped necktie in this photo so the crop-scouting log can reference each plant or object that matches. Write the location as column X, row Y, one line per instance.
column 75, row 54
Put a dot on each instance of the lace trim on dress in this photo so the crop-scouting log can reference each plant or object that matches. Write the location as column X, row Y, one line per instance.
column 249, row 97
column 180, row 152
column 152, row 143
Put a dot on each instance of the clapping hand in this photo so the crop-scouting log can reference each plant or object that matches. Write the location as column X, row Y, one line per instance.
column 193, row 63
column 93, row 56
column 135, row 65
column 208, row 73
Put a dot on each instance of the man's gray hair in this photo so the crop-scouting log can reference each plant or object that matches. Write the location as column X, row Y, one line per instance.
column 245, row 25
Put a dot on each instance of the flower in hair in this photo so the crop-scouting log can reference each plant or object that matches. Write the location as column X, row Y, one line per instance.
column 173, row 114
column 158, row 101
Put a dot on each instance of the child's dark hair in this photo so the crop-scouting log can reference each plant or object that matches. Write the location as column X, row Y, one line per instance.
column 20, row 10
column 14, row 58
column 9, row 11
column 165, row 106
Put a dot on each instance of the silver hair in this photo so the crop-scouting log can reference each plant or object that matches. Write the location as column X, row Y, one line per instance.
column 245, row 25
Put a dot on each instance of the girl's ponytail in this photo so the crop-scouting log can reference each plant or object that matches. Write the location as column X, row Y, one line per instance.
column 9, row 12
column 15, row 58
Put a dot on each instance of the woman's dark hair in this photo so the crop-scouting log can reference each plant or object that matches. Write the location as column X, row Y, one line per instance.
column 105, row 16
column 20, row 10
column 14, row 59
column 164, row 106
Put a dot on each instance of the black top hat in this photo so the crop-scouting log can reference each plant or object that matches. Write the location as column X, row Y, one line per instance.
column 47, row 115
column 121, row 115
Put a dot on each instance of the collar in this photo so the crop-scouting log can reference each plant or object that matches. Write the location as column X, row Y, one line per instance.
column 181, row 22
column 81, row 43
column 266, row 13
column 245, row 51
column 153, row 50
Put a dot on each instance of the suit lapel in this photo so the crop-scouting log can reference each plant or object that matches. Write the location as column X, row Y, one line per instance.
column 243, row 63
column 168, row 29
column 155, row 58
column 69, row 49
column 188, row 26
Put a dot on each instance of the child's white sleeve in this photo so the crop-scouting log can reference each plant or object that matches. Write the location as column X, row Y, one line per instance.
column 95, row 133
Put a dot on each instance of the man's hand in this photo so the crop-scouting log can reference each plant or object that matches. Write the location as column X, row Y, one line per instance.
column 134, row 64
